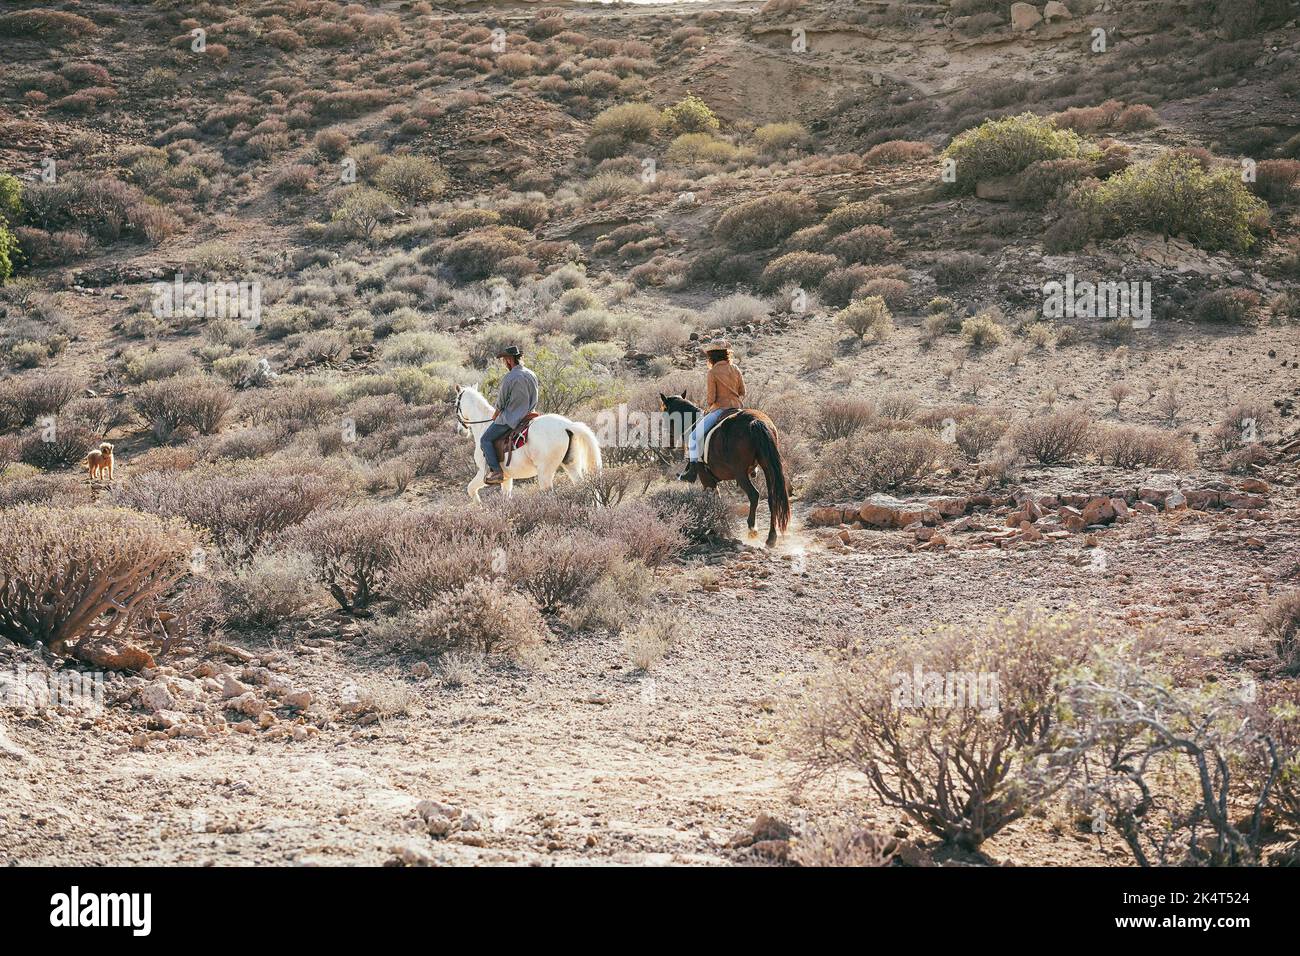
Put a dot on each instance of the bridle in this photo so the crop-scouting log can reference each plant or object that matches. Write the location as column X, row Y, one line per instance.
column 465, row 422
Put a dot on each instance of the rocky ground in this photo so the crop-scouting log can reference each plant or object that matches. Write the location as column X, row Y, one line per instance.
column 318, row 747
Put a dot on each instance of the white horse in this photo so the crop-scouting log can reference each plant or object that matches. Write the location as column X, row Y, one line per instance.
column 554, row 442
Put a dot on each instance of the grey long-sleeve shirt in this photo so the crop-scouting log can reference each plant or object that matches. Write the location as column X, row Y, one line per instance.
column 516, row 396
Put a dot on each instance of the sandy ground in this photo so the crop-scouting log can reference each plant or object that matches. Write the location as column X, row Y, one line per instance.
column 581, row 759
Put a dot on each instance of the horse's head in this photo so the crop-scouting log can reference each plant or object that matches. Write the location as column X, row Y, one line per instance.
column 679, row 415
column 471, row 408
column 677, row 403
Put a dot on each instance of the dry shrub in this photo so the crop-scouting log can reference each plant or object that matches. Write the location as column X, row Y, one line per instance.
column 804, row 269
column 863, row 244
column 841, row 417
column 559, row 569
column 979, row 434
column 852, row 468
column 1138, row 446
column 1187, row 775
column 645, row 536
column 841, row 286
column 57, row 445
column 1277, row 180
column 273, row 588
column 64, row 490
column 762, row 223
column 48, row 25
column 895, row 152
column 68, row 574
column 853, row 215
column 959, row 268
column 653, row 637
column 482, row 616
column 477, row 254
column 867, row 318
column 1231, row 306
column 23, row 401
column 352, row 550
column 703, row 519
column 241, row 508
column 170, row 405
column 1280, row 623
column 1054, row 438
column 1040, row 183
column 843, row 846
column 960, row 753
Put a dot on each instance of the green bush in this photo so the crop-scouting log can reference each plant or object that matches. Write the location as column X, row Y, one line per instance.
column 777, row 137
column 1006, row 146
column 412, row 179
column 693, row 148
column 868, row 317
column 691, row 115
column 1174, row 195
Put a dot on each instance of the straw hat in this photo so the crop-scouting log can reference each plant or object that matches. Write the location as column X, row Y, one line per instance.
column 716, row 345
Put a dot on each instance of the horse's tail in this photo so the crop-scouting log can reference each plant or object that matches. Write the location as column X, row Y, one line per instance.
column 584, row 448
column 768, row 454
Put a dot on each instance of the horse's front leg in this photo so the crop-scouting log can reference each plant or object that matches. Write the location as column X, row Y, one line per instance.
column 476, row 484
column 507, row 487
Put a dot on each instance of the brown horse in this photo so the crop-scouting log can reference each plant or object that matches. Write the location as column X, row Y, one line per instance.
column 742, row 441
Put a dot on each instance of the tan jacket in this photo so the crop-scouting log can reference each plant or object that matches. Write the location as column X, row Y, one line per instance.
column 726, row 388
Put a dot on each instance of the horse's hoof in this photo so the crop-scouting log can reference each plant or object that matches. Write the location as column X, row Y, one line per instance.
column 771, row 542
column 753, row 533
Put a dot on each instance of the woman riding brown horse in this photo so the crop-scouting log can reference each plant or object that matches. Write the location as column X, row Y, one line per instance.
column 744, row 439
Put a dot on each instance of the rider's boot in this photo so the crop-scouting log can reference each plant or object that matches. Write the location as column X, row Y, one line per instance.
column 494, row 477
column 688, row 473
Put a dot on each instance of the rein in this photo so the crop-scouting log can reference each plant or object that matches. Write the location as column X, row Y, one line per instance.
column 465, row 421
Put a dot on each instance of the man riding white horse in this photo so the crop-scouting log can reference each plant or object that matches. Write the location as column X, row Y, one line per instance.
column 516, row 399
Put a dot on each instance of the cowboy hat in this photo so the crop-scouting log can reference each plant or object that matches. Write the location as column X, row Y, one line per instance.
column 511, row 351
column 716, row 345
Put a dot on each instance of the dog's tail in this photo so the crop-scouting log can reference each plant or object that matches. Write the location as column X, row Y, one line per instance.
column 584, row 449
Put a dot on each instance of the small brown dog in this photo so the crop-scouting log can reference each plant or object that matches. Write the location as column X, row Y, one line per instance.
column 101, row 461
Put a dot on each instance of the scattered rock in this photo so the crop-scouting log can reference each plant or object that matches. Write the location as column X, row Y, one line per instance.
column 1025, row 16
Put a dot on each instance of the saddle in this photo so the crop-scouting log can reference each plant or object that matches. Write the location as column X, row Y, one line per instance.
column 708, row 436
column 506, row 444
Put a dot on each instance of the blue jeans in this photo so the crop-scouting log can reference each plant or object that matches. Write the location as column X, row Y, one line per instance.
column 699, row 431
column 494, row 431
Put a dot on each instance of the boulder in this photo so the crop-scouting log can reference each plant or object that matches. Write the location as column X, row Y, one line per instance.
column 1071, row 518
column 157, row 697
column 1201, row 499
column 1098, row 511
column 1176, row 501
column 1055, row 10
column 830, row 516
column 886, row 511
column 949, row 507
column 1025, row 16
column 1255, row 486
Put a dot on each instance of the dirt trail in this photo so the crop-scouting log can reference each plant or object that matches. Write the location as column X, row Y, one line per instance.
column 580, row 759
